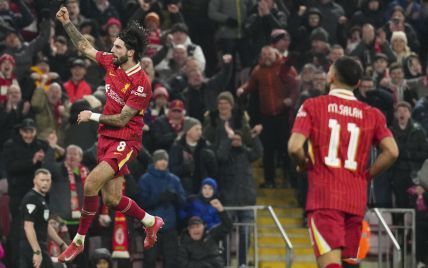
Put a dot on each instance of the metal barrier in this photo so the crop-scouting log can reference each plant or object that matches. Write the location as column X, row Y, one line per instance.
column 401, row 228
column 242, row 232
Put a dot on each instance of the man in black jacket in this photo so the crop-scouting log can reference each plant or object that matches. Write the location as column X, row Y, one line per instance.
column 22, row 155
column 413, row 146
column 199, row 248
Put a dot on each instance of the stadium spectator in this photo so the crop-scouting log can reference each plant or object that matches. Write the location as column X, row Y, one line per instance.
column 379, row 68
column 369, row 46
column 200, row 94
column 77, row 87
column 101, row 258
column 264, row 17
column 333, row 17
column 236, row 180
column 319, row 49
column 7, row 76
column 276, row 109
column 175, row 64
column 13, row 20
column 152, row 24
column 371, row 12
column 200, row 204
column 166, row 128
column 413, row 146
column 398, row 85
column 22, row 154
column 12, row 112
column 51, row 112
column 112, row 28
column 231, row 17
column 191, row 157
column 161, row 193
column 399, row 46
column 199, row 247
column 60, row 54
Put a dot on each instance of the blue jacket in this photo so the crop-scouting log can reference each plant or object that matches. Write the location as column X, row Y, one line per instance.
column 196, row 205
column 151, row 185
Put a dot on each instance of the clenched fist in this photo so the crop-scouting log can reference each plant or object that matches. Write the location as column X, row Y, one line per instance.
column 62, row 15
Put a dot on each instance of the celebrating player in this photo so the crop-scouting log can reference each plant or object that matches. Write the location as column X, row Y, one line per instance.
column 120, row 132
column 340, row 131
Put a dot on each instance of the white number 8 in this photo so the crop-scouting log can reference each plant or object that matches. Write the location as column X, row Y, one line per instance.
column 121, row 146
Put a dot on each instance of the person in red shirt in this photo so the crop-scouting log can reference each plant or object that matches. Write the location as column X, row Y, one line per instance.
column 7, row 76
column 128, row 93
column 77, row 87
column 340, row 131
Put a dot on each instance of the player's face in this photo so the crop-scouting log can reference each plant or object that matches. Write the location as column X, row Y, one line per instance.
column 120, row 52
column 196, row 231
column 42, row 183
column 207, row 191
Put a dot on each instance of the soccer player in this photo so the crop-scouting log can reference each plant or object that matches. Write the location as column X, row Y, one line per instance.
column 128, row 93
column 340, row 131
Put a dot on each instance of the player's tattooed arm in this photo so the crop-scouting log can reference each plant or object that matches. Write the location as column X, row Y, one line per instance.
column 79, row 41
column 119, row 120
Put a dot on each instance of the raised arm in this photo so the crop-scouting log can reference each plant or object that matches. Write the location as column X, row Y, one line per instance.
column 76, row 37
column 114, row 120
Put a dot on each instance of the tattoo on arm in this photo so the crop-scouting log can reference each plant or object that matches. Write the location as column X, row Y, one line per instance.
column 79, row 41
column 119, row 120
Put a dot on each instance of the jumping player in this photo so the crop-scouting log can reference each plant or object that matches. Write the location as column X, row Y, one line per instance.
column 340, row 131
column 128, row 93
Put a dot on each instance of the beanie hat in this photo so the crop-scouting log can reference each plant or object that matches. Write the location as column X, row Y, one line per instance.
column 319, row 34
column 113, row 21
column 190, row 122
column 226, row 95
column 101, row 254
column 7, row 57
column 195, row 220
column 211, row 182
column 160, row 155
column 160, row 91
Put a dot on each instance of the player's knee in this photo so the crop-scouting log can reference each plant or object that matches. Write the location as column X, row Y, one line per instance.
column 91, row 187
column 110, row 200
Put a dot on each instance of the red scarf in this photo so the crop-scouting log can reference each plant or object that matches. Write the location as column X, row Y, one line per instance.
column 75, row 206
column 120, row 235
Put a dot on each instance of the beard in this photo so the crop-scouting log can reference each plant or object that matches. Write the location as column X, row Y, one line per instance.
column 119, row 61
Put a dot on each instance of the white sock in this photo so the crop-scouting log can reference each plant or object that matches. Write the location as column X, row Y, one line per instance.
column 79, row 239
column 148, row 220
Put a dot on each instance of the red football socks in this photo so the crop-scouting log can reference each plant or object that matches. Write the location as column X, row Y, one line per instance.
column 334, row 265
column 89, row 209
column 128, row 207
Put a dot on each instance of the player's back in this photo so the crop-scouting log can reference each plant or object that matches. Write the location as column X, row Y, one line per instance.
column 343, row 130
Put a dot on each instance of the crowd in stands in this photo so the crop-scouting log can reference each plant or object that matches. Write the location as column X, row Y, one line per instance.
column 228, row 77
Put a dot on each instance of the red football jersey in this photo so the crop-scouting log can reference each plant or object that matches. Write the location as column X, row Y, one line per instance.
column 340, row 130
column 132, row 88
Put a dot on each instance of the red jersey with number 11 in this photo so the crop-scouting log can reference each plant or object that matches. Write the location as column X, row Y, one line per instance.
column 341, row 131
column 131, row 88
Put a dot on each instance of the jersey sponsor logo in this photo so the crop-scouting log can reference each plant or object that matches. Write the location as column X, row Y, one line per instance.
column 139, row 92
column 30, row 208
column 125, row 88
column 114, row 95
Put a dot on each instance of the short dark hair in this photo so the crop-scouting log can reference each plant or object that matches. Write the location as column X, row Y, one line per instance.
column 135, row 37
column 395, row 65
column 348, row 71
column 42, row 171
column 404, row 104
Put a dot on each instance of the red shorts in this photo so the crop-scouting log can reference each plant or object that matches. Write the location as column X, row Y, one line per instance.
column 117, row 153
column 332, row 229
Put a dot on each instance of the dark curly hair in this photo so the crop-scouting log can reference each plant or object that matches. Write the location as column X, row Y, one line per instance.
column 136, row 38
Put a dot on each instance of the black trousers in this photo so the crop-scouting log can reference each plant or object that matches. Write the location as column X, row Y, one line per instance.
column 26, row 256
column 274, row 138
column 167, row 247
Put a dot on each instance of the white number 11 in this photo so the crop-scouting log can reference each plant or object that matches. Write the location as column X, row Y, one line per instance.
column 331, row 159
